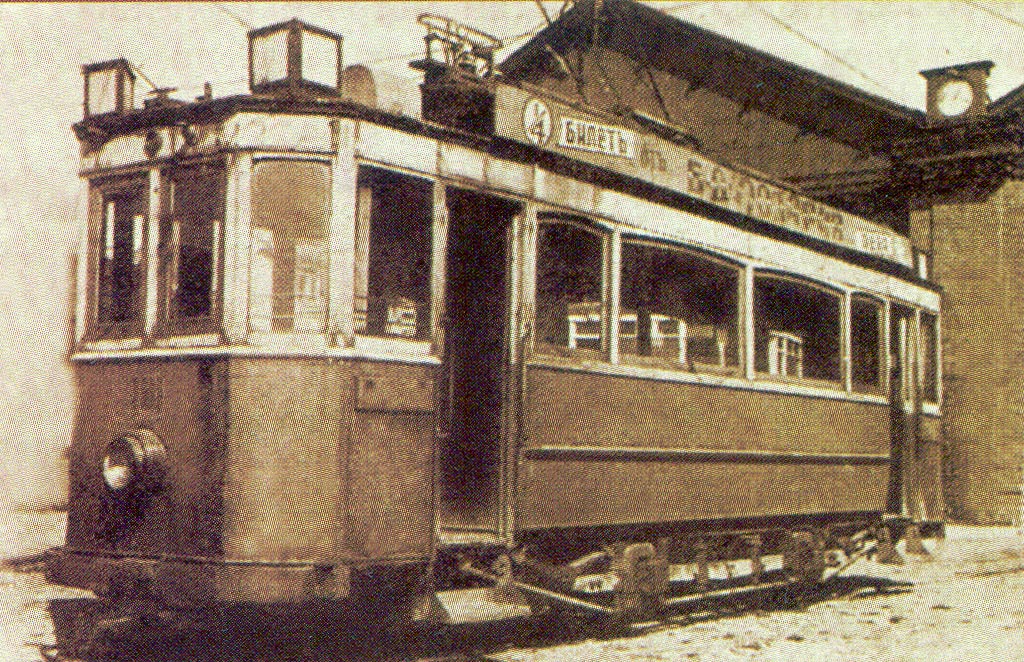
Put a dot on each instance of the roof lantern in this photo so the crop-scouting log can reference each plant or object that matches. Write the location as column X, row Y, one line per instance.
column 109, row 87
column 295, row 58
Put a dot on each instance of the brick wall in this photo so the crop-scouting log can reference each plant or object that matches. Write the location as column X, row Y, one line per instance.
column 978, row 257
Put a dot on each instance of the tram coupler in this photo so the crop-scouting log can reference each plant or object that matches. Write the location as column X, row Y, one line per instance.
column 560, row 577
column 533, row 594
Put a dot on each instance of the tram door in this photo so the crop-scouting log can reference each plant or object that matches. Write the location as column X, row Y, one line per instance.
column 905, row 411
column 471, row 454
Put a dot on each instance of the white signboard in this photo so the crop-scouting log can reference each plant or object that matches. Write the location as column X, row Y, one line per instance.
column 574, row 133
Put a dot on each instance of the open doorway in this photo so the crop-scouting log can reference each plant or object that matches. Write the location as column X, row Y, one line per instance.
column 902, row 408
column 475, row 326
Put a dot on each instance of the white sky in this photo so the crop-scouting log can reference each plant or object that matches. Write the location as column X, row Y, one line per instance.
column 42, row 47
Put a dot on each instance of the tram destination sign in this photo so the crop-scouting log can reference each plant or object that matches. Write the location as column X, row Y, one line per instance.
column 560, row 128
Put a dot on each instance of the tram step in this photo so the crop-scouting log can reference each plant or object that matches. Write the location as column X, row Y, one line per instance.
column 449, row 538
column 478, row 605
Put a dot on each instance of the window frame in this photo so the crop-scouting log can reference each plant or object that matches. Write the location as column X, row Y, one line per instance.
column 104, row 190
column 880, row 388
column 606, row 239
column 251, row 253
column 169, row 254
column 843, row 336
column 936, row 358
column 748, row 375
column 420, row 343
column 737, row 268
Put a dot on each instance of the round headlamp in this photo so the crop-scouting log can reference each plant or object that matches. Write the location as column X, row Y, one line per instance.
column 135, row 462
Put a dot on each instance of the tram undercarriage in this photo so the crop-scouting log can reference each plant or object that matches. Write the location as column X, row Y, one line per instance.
column 628, row 582
column 601, row 593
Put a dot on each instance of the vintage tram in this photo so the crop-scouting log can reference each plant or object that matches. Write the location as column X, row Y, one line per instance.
column 511, row 349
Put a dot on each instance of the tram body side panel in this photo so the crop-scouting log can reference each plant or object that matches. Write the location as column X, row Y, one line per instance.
column 329, row 461
column 282, row 481
column 572, row 410
column 390, row 463
column 276, row 467
column 184, row 403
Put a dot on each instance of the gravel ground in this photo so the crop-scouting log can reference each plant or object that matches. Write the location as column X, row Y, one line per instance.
column 965, row 603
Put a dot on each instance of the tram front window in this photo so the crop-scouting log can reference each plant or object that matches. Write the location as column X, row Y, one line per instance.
column 677, row 309
column 569, row 317
column 797, row 330
column 190, row 248
column 122, row 252
column 393, row 255
column 290, row 226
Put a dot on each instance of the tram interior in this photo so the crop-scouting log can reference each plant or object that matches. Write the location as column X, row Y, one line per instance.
column 392, row 279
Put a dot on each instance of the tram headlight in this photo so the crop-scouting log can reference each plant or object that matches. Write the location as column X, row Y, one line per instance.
column 134, row 463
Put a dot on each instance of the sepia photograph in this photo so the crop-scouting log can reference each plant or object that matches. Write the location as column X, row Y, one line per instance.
column 511, row 331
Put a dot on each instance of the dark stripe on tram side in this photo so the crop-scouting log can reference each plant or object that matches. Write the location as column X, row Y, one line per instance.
column 618, row 454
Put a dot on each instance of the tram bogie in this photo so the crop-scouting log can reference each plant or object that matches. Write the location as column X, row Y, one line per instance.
column 331, row 355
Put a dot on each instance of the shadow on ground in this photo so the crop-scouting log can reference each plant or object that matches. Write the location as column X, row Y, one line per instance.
column 323, row 635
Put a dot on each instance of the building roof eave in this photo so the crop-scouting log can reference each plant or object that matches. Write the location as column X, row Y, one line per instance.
column 788, row 91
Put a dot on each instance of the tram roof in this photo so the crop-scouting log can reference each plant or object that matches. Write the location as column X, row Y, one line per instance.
column 99, row 128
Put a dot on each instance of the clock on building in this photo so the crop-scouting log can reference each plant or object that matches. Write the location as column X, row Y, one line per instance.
column 954, row 98
column 957, row 92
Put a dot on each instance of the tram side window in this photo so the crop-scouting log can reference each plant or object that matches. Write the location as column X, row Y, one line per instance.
column 569, row 306
column 393, row 255
column 866, row 348
column 190, row 248
column 290, row 227
column 678, row 309
column 797, row 330
column 121, row 257
column 930, row 357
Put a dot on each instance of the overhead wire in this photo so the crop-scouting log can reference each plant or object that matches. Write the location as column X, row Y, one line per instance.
column 835, row 57
column 992, row 12
column 544, row 12
column 224, row 10
column 142, row 75
column 680, row 5
column 999, row 15
column 506, row 42
column 238, row 19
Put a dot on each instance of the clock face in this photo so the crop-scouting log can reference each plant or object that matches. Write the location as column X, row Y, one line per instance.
column 954, row 97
